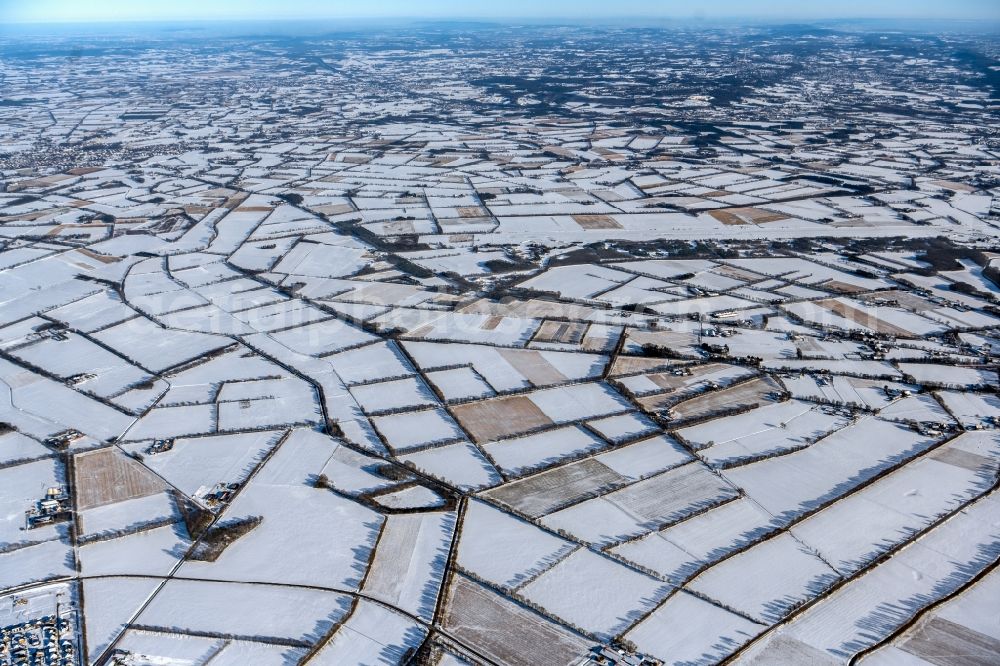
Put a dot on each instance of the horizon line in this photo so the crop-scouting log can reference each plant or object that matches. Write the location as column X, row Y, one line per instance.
column 511, row 19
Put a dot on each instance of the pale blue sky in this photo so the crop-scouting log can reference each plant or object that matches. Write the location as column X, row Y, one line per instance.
column 12, row 11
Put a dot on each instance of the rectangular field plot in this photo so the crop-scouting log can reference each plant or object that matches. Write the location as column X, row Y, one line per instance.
column 560, row 331
column 23, row 485
column 684, row 343
column 252, row 405
column 534, row 366
column 624, row 427
column 38, row 562
column 507, row 369
column 409, row 562
column 747, row 394
column 871, row 607
column 507, row 632
column 460, row 384
column 370, row 630
column 205, row 461
column 806, row 479
column 646, row 457
column 414, row 429
column 376, row 361
column 128, row 515
column 108, row 475
column 971, row 409
column 546, row 492
column 296, row 615
column 676, row 493
column 679, row 383
column 689, row 630
column 838, row 389
column 500, row 418
column 397, row 394
column 596, row 593
column 643, row 506
column 543, row 449
column 949, row 376
column 768, row 580
column 104, row 373
column 964, row 625
column 460, row 464
column 45, row 406
column 180, row 421
column 579, row 401
column 510, row 416
column 157, row 348
column 853, row 314
column 18, row 448
column 681, row 550
column 857, row 529
column 771, row 429
column 484, row 547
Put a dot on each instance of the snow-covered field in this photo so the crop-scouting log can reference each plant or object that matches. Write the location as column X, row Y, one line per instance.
column 474, row 343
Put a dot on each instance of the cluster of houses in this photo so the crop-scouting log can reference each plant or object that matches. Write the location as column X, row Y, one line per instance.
column 55, row 506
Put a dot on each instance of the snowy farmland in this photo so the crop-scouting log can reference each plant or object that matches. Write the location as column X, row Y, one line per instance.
column 476, row 344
